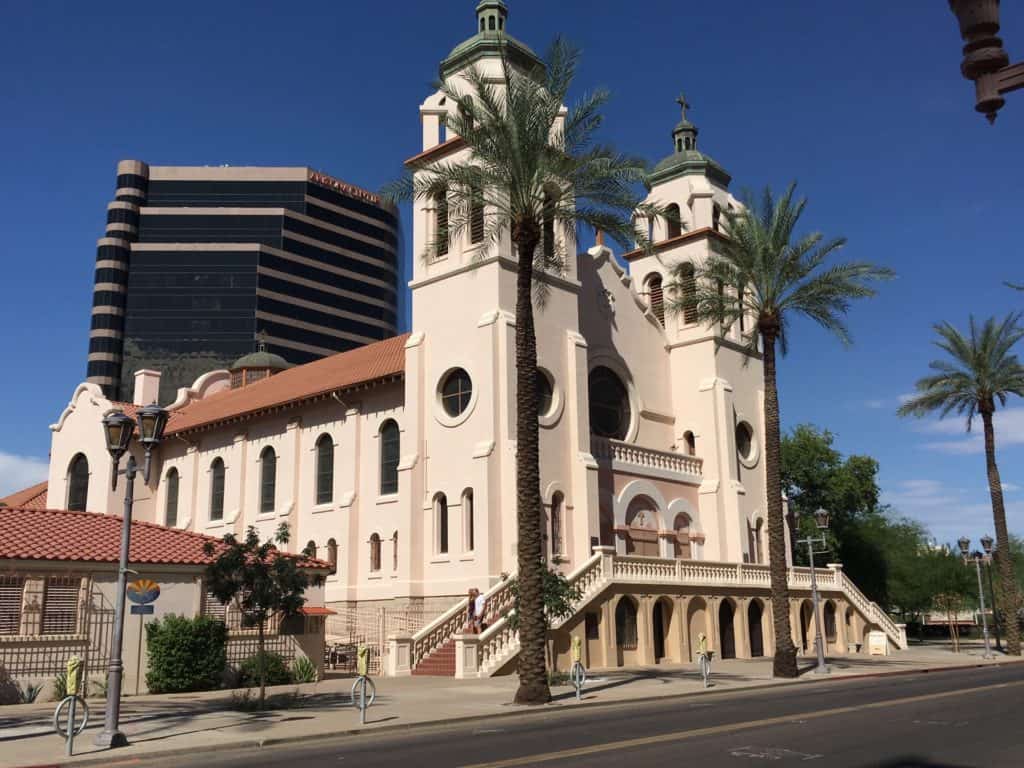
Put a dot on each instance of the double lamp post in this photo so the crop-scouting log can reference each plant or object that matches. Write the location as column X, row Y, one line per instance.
column 119, row 430
column 965, row 551
column 821, row 519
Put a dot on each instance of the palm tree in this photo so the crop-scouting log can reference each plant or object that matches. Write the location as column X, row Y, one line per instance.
column 981, row 373
column 530, row 167
column 772, row 277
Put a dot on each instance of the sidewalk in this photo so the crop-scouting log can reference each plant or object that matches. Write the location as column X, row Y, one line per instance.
column 168, row 724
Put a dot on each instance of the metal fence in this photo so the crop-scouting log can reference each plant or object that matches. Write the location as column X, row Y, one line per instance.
column 369, row 626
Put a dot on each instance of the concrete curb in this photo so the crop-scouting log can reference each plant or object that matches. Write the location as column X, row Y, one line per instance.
column 104, row 758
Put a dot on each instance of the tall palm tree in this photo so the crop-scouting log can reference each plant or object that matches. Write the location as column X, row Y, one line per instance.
column 531, row 169
column 983, row 371
column 771, row 276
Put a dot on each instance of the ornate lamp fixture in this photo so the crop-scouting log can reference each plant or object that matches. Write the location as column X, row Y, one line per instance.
column 986, row 62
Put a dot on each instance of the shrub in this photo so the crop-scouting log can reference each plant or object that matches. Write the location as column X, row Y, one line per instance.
column 29, row 693
column 186, row 654
column 303, row 670
column 60, row 686
column 274, row 666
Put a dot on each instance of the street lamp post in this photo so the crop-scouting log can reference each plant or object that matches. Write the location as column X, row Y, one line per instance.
column 118, row 429
column 986, row 544
column 965, row 551
column 821, row 518
column 986, row 62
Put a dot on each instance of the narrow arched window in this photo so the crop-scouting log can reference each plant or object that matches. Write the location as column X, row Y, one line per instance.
column 476, row 216
column 78, row 483
column 688, row 287
column 548, row 224
column 171, row 502
column 268, row 480
column 468, row 522
column 691, row 443
column 441, row 523
column 394, row 551
column 743, row 315
column 217, row 489
column 656, row 297
column 716, row 217
column 310, row 549
column 324, row 470
column 557, row 510
column 673, row 221
column 389, row 453
column 332, row 555
column 375, row 552
column 625, row 624
column 441, row 240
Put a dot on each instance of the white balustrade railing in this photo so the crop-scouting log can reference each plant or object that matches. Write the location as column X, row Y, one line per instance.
column 650, row 458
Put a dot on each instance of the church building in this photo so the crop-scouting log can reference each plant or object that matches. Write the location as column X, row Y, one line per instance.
column 395, row 462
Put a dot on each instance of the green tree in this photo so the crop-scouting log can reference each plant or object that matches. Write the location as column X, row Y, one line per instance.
column 980, row 371
column 764, row 271
column 260, row 582
column 529, row 168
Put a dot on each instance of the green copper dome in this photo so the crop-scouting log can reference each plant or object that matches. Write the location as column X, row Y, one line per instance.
column 261, row 359
column 489, row 41
column 686, row 159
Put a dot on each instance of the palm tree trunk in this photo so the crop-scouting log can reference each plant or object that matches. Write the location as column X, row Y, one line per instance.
column 533, row 679
column 1008, row 599
column 784, row 663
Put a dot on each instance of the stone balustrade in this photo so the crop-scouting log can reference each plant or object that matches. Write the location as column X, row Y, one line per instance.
column 639, row 458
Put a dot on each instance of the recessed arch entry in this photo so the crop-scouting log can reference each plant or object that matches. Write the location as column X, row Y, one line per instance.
column 696, row 624
column 727, row 629
column 755, row 627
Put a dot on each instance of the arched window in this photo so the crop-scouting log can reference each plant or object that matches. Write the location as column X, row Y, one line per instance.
column 557, row 510
column 310, row 549
column 759, row 541
column 716, row 217
column 468, row 522
column 625, row 624
column 332, row 555
column 476, row 214
column 441, row 524
column 691, row 443
column 682, row 546
column 673, row 221
column 78, row 483
column 324, row 469
column 679, row 145
column 394, row 551
column 609, row 404
column 217, row 490
column 268, row 480
column 441, row 240
column 656, row 297
column 171, row 503
column 375, row 552
column 548, row 222
column 389, row 453
column 688, row 286
column 490, row 23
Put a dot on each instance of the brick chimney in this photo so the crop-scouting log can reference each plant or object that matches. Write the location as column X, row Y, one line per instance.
column 147, row 387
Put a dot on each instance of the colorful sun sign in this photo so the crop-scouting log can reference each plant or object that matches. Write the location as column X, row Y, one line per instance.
column 142, row 591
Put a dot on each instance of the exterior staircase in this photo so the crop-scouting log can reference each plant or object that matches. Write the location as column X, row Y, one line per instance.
column 434, row 650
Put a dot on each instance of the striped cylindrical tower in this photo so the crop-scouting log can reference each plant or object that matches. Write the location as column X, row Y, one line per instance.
column 113, row 255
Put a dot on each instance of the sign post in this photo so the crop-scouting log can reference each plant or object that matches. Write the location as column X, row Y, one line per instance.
column 143, row 593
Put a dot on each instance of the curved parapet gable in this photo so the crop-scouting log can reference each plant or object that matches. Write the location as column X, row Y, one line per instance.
column 86, row 389
column 208, row 384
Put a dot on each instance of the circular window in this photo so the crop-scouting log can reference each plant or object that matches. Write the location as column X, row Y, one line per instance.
column 745, row 441
column 456, row 391
column 609, row 404
column 545, row 393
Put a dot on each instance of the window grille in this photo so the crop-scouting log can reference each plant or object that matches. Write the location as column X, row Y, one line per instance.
column 60, row 605
column 11, row 592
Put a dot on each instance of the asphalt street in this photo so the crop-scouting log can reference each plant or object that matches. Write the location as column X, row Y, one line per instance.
column 948, row 719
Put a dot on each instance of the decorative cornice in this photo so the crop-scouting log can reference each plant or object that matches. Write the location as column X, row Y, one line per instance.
column 672, row 242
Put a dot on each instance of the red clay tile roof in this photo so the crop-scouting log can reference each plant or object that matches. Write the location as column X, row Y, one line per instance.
column 438, row 151
column 33, row 497
column 313, row 610
column 363, row 365
column 56, row 534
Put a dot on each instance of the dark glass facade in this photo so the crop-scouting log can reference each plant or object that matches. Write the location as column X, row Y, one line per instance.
column 184, row 284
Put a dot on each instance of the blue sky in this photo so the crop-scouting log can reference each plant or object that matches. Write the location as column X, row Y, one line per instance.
column 863, row 105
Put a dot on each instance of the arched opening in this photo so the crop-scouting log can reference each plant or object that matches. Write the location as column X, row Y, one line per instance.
column 690, row 443
column 332, row 555
column 324, row 469
column 217, row 489
column 696, row 623
column 78, row 483
column 171, row 483
column 716, row 217
column 759, row 541
column 375, row 552
column 688, row 289
column 681, row 543
column 661, row 622
column 625, row 626
column 829, row 621
column 642, row 528
column 394, row 551
column 441, row 223
column 268, row 480
column 806, row 617
column 310, row 549
column 726, row 629
column 476, row 214
column 557, row 507
column 673, row 221
column 656, row 297
column 441, row 524
column 550, row 205
column 755, row 614
column 607, row 523
column 468, row 522
column 609, row 404
column 389, row 453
